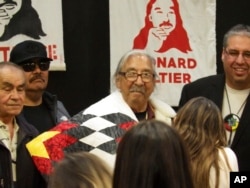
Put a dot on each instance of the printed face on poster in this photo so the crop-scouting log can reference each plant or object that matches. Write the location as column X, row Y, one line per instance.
column 32, row 20
column 179, row 34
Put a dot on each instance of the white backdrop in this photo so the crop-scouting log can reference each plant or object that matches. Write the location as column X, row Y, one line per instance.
column 175, row 68
column 50, row 14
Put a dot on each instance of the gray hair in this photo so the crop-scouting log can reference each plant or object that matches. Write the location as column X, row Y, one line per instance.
column 4, row 64
column 240, row 29
column 134, row 52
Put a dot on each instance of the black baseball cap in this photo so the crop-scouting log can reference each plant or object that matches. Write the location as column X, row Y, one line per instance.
column 27, row 50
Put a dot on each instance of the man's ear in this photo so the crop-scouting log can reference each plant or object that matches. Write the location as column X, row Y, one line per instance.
column 223, row 55
column 118, row 82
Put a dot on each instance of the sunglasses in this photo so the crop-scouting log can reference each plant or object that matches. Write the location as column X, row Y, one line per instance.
column 31, row 66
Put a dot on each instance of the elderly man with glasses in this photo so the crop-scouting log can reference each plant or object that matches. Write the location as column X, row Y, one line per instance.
column 135, row 80
column 41, row 108
column 131, row 102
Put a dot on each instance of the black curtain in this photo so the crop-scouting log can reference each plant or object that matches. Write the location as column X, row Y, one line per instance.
column 86, row 46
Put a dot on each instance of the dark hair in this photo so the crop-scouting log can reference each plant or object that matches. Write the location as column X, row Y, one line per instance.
column 152, row 155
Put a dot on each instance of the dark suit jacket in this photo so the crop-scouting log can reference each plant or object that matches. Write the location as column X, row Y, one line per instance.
column 212, row 87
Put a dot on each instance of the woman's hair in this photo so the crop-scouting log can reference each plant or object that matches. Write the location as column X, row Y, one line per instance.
column 81, row 170
column 200, row 124
column 152, row 155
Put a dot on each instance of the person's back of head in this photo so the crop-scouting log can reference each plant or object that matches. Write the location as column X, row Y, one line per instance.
column 152, row 155
column 81, row 170
column 200, row 121
column 200, row 124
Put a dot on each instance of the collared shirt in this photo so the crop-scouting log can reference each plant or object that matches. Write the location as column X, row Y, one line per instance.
column 10, row 143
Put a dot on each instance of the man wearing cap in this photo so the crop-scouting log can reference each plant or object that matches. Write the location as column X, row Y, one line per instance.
column 41, row 108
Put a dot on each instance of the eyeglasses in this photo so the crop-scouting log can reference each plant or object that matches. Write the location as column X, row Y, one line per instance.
column 234, row 54
column 133, row 76
column 31, row 66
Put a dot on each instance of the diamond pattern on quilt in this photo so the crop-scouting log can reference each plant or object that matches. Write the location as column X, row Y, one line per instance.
column 79, row 131
column 95, row 139
column 78, row 146
column 98, row 123
column 109, row 147
column 97, row 134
